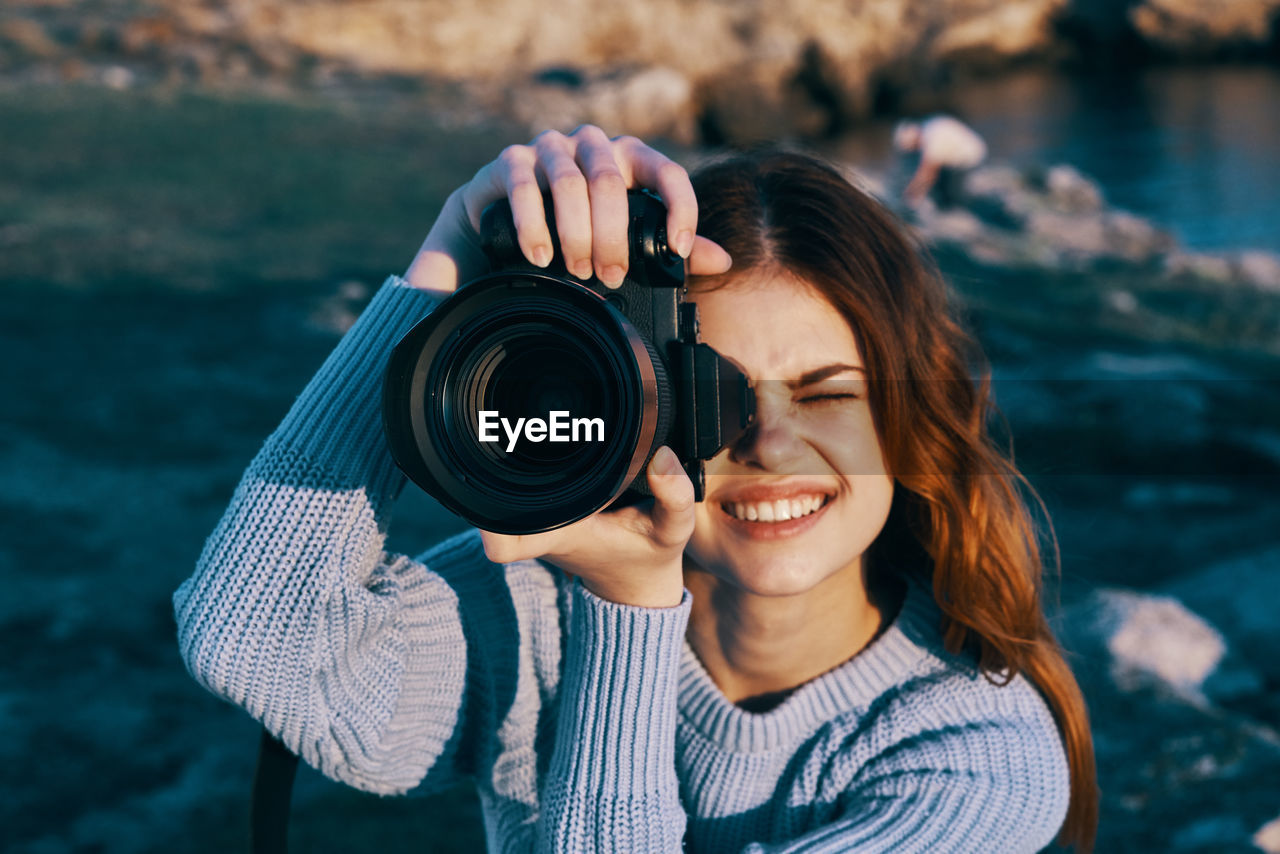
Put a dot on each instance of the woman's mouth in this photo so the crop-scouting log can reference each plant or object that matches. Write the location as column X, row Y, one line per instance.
column 781, row 517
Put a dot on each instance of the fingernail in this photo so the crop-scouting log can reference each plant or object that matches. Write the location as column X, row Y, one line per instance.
column 582, row 270
column 541, row 256
column 612, row 275
column 684, row 243
column 666, row 461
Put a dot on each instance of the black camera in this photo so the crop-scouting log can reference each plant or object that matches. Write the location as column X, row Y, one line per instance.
column 529, row 400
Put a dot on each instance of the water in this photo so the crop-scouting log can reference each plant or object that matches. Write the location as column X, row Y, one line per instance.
column 1196, row 150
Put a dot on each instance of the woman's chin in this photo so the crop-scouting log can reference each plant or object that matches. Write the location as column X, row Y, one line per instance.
column 766, row 577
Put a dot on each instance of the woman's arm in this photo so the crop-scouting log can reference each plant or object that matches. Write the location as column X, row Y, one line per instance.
column 355, row 658
column 612, row 784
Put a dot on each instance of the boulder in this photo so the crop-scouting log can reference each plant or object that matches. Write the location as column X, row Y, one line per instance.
column 1000, row 195
column 1148, row 639
column 646, row 102
column 1199, row 265
column 29, row 37
column 1134, row 240
column 1070, row 191
column 1267, row 839
column 1205, row 28
column 1051, row 218
column 1260, row 269
column 1240, row 596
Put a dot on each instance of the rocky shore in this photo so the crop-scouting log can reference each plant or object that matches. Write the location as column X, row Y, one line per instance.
column 1104, row 267
column 714, row 71
column 1139, row 377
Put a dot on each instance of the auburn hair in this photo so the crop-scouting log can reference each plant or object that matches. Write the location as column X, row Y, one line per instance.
column 960, row 514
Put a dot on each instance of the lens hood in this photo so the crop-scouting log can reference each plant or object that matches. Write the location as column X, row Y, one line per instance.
column 484, row 398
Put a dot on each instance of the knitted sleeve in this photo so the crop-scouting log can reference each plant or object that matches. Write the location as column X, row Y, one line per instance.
column 985, row 771
column 612, row 783
column 355, row 658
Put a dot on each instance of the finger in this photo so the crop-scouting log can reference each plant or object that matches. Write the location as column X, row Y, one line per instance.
column 506, row 548
column 517, row 177
column 485, row 186
column 708, row 258
column 651, row 168
column 672, row 490
column 607, row 189
column 569, row 194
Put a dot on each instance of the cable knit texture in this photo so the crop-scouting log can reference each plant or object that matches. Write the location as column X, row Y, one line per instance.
column 585, row 725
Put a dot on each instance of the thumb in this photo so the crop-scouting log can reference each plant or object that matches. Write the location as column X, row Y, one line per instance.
column 672, row 490
column 708, row 258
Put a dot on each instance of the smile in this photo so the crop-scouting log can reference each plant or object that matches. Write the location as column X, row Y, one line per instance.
column 781, row 510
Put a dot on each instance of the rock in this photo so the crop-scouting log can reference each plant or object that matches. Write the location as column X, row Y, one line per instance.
column 650, row 102
column 30, row 37
column 1079, row 240
column 1000, row 195
column 1147, row 637
column 1241, row 596
column 802, row 65
column 1199, row 265
column 1268, row 837
column 1205, row 28
column 1005, row 31
column 1070, row 191
column 1133, row 239
column 1260, row 269
column 148, row 34
column 1121, row 301
column 755, row 102
column 1056, row 218
column 118, row 77
column 953, row 225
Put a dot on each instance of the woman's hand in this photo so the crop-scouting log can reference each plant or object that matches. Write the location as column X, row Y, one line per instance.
column 633, row 555
column 588, row 175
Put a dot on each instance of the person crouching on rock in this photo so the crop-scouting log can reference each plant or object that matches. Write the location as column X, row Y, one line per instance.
column 841, row 648
column 947, row 150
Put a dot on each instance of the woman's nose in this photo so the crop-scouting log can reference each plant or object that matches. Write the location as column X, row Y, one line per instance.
column 771, row 442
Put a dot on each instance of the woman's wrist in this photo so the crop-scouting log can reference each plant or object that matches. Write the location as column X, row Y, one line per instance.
column 667, row 594
column 450, row 254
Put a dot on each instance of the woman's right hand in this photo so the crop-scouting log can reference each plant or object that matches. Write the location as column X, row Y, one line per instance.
column 588, row 175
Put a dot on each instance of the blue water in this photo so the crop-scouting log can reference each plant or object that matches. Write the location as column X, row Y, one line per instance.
column 1197, row 150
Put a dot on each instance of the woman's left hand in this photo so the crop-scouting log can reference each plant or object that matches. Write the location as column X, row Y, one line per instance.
column 632, row 556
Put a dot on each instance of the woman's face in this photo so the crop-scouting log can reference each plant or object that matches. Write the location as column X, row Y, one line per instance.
column 804, row 492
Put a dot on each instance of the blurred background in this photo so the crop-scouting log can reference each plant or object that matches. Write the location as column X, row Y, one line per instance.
column 197, row 198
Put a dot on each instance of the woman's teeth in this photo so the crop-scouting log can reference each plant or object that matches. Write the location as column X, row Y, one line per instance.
column 775, row 511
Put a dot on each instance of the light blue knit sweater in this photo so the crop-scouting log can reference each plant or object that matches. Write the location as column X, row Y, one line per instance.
column 585, row 725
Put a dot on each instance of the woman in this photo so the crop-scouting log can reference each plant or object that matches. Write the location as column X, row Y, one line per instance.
column 840, row 649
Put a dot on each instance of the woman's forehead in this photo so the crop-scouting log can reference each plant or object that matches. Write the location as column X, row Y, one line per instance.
column 775, row 326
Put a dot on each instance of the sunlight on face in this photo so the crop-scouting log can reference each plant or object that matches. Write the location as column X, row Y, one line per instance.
column 804, row 492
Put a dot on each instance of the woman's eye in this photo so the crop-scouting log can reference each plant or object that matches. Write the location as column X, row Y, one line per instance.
column 828, row 397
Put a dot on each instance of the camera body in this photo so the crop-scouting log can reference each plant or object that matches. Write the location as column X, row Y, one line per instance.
column 532, row 340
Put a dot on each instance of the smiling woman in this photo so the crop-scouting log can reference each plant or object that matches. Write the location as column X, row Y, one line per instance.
column 840, row 649
column 824, row 275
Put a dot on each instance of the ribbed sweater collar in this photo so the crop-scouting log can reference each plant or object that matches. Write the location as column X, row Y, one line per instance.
column 884, row 662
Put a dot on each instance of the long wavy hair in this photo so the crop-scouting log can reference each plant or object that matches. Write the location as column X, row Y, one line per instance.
column 960, row 514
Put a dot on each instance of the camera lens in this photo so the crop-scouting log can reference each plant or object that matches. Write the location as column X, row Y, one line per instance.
column 525, row 402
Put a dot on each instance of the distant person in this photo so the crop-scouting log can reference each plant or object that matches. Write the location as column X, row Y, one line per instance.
column 948, row 149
